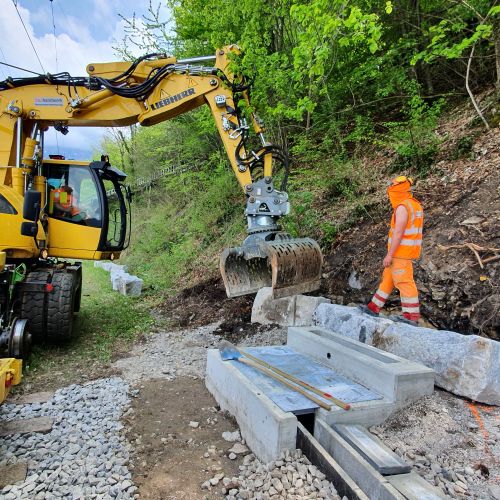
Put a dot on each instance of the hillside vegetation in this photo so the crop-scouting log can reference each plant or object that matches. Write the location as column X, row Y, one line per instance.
column 356, row 91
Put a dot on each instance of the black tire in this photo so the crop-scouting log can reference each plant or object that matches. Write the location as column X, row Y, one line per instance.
column 78, row 292
column 60, row 306
column 34, row 306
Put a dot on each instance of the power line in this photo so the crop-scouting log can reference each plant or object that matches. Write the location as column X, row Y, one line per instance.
column 54, row 28
column 22, row 69
column 3, row 57
column 31, row 41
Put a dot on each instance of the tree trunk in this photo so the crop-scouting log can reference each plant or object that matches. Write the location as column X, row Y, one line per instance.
column 496, row 37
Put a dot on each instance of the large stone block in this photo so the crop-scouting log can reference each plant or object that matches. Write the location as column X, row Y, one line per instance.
column 467, row 365
column 129, row 285
column 350, row 322
column 116, row 279
column 296, row 310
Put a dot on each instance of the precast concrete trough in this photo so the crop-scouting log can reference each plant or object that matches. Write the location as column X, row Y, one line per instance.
column 273, row 418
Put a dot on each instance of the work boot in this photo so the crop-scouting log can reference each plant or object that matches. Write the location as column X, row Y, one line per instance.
column 402, row 319
column 365, row 309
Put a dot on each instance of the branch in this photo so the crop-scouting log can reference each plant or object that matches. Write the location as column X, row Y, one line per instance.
column 471, row 95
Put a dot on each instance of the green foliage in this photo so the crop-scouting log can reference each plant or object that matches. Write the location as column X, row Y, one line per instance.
column 181, row 226
column 413, row 139
column 466, row 24
column 463, row 148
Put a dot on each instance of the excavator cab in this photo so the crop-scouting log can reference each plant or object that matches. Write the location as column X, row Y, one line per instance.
column 88, row 208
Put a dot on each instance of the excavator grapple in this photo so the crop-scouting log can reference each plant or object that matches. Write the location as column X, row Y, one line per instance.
column 289, row 266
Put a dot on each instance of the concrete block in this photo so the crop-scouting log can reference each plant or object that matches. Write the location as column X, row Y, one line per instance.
column 414, row 487
column 467, row 365
column 266, row 428
column 129, row 285
column 318, row 456
column 397, row 379
column 116, row 277
column 382, row 458
column 296, row 310
column 305, row 305
column 350, row 322
column 266, row 310
column 371, row 482
column 26, row 426
column 106, row 265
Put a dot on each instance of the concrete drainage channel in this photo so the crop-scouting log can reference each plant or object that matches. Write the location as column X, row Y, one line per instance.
column 273, row 419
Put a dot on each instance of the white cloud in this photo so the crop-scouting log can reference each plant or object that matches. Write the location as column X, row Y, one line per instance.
column 76, row 48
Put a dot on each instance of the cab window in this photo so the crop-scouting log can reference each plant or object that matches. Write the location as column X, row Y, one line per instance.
column 6, row 207
column 73, row 195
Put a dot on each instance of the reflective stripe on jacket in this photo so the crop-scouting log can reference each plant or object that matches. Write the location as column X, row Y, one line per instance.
column 411, row 243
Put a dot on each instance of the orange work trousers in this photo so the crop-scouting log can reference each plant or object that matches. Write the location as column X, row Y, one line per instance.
column 399, row 275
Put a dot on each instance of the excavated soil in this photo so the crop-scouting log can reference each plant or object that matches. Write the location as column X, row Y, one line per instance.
column 205, row 303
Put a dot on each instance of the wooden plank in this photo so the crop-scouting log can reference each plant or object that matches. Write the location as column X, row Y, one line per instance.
column 318, row 456
column 26, row 426
column 376, row 453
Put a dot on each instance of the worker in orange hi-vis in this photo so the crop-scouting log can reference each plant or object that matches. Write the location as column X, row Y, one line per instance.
column 404, row 246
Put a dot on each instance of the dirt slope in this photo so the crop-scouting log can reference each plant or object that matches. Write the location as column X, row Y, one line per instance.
column 461, row 206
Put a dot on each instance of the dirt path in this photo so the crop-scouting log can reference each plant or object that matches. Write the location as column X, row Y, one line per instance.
column 172, row 459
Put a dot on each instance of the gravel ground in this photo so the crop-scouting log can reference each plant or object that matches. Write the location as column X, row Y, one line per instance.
column 169, row 354
column 451, row 442
column 291, row 476
column 84, row 455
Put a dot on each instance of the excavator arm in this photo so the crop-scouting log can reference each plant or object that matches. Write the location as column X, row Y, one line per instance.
column 148, row 91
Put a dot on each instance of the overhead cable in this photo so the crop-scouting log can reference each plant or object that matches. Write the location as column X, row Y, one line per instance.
column 17, row 67
column 54, row 30
column 29, row 38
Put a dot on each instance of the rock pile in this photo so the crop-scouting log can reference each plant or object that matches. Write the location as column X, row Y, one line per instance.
column 291, row 477
column 84, row 456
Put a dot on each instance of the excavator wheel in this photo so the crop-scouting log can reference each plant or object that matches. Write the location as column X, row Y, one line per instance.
column 34, row 306
column 20, row 339
column 61, row 305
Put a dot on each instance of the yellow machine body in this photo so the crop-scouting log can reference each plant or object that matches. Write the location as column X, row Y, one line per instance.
column 10, row 375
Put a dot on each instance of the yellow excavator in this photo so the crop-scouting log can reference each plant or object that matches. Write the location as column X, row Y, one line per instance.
column 55, row 212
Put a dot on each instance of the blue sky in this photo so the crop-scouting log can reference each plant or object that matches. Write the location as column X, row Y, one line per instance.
column 86, row 32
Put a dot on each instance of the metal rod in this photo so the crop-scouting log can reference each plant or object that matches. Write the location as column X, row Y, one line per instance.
column 42, row 140
column 34, row 132
column 19, row 141
column 191, row 60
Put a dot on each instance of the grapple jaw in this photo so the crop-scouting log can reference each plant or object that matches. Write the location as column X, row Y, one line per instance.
column 289, row 265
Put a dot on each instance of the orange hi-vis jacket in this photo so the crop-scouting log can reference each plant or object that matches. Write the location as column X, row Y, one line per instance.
column 411, row 243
